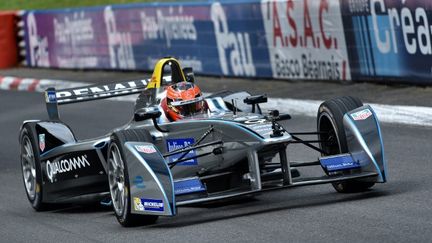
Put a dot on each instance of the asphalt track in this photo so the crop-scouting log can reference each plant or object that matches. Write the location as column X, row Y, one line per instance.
column 398, row 211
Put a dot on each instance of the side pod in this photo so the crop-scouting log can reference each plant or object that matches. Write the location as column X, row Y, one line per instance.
column 53, row 133
column 151, row 181
column 364, row 140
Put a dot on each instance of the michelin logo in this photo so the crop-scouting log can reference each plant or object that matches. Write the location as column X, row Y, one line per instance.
column 144, row 204
column 65, row 165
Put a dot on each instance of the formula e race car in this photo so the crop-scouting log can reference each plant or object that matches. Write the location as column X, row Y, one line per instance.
column 148, row 168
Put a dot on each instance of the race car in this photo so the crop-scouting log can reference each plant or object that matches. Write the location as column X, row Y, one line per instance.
column 150, row 167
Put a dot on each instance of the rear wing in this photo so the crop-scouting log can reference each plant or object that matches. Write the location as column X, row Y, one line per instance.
column 54, row 98
column 95, row 92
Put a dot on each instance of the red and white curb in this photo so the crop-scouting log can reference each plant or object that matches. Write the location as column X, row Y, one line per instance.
column 407, row 115
column 38, row 85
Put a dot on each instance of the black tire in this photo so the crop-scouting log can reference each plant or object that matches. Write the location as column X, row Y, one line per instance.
column 330, row 121
column 27, row 138
column 125, row 217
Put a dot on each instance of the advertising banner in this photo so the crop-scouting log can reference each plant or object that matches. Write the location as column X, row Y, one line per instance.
column 389, row 40
column 212, row 38
column 282, row 39
column 306, row 39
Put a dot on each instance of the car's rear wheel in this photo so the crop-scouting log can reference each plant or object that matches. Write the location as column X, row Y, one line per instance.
column 31, row 170
column 119, row 185
column 332, row 133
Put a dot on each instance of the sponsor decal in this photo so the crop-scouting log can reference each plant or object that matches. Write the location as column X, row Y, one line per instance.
column 144, row 204
column 42, row 142
column 138, row 181
column 341, row 166
column 259, row 125
column 339, row 162
column 262, row 129
column 147, row 149
column 239, row 60
column 306, row 39
column 361, row 115
column 176, row 144
column 138, row 205
column 188, row 186
column 255, row 121
column 104, row 90
column 65, row 165
column 242, row 119
column 50, row 97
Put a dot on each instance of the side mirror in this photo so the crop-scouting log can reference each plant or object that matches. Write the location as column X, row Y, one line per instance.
column 151, row 112
column 189, row 74
column 146, row 113
column 255, row 99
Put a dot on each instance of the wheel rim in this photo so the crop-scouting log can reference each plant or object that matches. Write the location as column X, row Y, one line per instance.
column 116, row 180
column 331, row 144
column 28, row 167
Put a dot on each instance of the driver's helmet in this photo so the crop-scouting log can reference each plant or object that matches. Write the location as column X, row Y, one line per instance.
column 183, row 99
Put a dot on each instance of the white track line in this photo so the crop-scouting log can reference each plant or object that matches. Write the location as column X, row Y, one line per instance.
column 396, row 114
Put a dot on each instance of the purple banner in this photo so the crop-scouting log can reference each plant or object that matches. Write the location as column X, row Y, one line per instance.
column 212, row 38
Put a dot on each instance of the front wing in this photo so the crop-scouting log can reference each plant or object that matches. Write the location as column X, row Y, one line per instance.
column 159, row 194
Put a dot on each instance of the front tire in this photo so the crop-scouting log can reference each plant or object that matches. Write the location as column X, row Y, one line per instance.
column 330, row 122
column 119, row 185
column 31, row 169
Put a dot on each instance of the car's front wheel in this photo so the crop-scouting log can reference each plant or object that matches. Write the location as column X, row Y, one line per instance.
column 119, row 185
column 332, row 133
column 31, row 170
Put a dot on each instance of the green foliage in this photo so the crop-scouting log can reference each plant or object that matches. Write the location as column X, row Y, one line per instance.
column 53, row 4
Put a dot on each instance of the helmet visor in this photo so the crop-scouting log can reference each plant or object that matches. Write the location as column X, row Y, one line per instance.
column 189, row 107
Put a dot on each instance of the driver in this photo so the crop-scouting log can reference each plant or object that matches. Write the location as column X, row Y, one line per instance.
column 183, row 99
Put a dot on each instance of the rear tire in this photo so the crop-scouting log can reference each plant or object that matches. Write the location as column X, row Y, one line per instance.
column 119, row 184
column 330, row 121
column 31, row 169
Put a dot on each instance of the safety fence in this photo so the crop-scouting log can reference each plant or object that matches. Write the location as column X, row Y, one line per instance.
column 379, row 40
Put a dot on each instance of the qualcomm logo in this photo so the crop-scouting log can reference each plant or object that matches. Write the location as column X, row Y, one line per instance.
column 65, row 165
column 238, row 44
